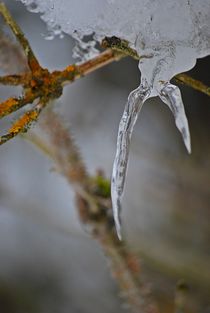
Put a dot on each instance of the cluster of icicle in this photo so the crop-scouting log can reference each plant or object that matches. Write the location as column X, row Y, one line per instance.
column 173, row 34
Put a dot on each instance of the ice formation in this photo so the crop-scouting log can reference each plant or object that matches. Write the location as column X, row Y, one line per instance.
column 172, row 33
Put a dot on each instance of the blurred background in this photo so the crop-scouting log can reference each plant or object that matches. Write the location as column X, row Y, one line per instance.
column 48, row 263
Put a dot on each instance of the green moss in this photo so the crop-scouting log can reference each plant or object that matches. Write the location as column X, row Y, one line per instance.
column 102, row 186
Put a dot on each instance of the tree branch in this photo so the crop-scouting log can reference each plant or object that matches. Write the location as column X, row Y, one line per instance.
column 193, row 83
column 93, row 205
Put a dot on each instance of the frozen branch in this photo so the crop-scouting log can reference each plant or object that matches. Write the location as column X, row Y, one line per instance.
column 41, row 85
column 122, row 47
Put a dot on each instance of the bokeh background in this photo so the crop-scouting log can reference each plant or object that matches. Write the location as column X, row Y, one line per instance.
column 48, row 262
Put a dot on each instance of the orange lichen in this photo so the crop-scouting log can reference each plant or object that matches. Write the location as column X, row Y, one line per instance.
column 33, row 83
column 23, row 123
column 6, row 106
column 39, row 83
column 33, row 63
column 70, row 68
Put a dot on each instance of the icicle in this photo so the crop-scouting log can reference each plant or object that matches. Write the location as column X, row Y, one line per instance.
column 171, row 95
column 128, row 120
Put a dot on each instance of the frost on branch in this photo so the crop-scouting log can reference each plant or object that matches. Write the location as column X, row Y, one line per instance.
column 171, row 34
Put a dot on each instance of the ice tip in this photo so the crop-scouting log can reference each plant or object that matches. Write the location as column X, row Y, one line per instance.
column 188, row 147
column 186, row 138
column 118, row 224
column 118, row 231
column 116, row 204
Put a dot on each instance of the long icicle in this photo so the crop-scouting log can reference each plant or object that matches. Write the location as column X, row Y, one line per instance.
column 133, row 106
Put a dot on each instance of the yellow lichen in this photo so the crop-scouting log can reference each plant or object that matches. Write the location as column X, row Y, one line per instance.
column 70, row 68
column 23, row 123
column 6, row 106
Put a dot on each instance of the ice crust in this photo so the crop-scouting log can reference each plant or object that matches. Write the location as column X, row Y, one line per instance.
column 174, row 33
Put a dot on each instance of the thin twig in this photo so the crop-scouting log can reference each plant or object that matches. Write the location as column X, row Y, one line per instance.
column 77, row 71
column 31, row 58
column 12, row 58
column 193, row 83
column 94, row 208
